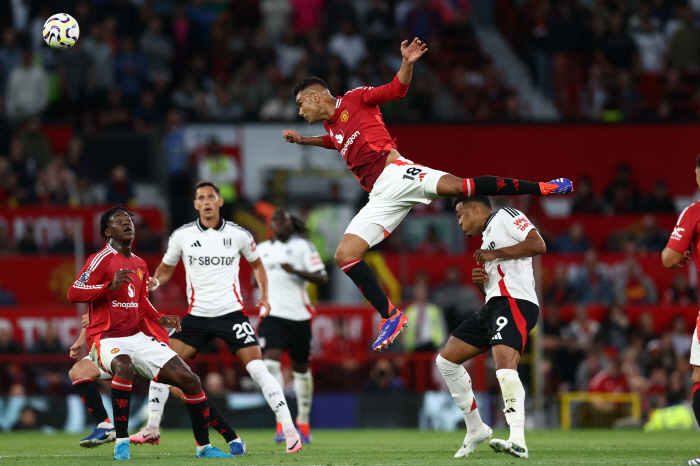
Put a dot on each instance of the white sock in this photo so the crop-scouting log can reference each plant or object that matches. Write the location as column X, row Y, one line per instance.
column 460, row 385
column 275, row 370
column 105, row 425
column 202, row 447
column 157, row 396
column 119, row 440
column 514, row 400
column 272, row 390
column 304, row 388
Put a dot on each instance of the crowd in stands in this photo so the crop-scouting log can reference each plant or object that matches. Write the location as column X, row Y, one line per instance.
column 611, row 61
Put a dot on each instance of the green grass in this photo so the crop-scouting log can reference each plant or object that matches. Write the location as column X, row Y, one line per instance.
column 371, row 447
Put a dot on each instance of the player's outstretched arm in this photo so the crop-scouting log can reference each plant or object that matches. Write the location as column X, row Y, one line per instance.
column 410, row 53
column 673, row 259
column 532, row 245
column 294, row 137
column 163, row 274
column 261, row 278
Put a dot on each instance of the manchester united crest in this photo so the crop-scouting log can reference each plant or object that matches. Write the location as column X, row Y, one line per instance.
column 344, row 116
column 115, row 350
column 139, row 272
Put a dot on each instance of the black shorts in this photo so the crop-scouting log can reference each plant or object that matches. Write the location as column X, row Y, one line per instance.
column 285, row 334
column 502, row 321
column 233, row 328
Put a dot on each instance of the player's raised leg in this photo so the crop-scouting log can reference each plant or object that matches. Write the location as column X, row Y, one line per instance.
column 348, row 256
column 274, row 394
column 452, row 186
column 175, row 372
column 449, row 362
column 506, row 361
column 83, row 375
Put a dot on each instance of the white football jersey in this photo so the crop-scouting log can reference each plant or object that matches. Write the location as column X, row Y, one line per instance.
column 508, row 277
column 211, row 257
column 288, row 296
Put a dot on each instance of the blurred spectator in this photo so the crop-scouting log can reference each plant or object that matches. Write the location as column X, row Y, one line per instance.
column 49, row 343
column 680, row 292
column 574, row 240
column 219, row 106
column 307, row 15
column 25, row 171
column 432, row 244
column 560, row 291
column 7, row 297
column 148, row 115
column 289, row 53
column 590, row 282
column 114, row 115
column 429, row 333
column 185, row 97
column 59, row 183
column 680, row 337
column 383, row 378
column 67, row 243
column 177, row 160
column 659, row 201
column 27, row 244
column 644, row 328
column 585, row 201
column 684, row 48
column 27, row 89
column 148, row 241
column 130, row 67
column 76, row 159
column 28, row 420
column 222, row 169
column 622, row 194
column 632, row 286
column 120, row 189
column 6, row 244
column 51, row 378
column 457, row 299
column 280, row 107
column 652, row 239
column 651, row 45
column 614, row 330
column 76, row 73
column 423, row 20
column 609, row 380
column 157, row 50
column 276, row 15
column 348, row 45
column 214, row 384
column 618, row 47
column 567, row 359
column 97, row 46
column 8, row 345
column 552, row 330
column 583, row 327
column 35, row 144
column 10, row 56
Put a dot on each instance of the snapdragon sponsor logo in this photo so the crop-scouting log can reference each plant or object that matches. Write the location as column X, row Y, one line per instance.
column 349, row 142
column 116, row 303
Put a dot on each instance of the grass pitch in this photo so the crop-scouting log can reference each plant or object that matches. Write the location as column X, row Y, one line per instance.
column 370, row 447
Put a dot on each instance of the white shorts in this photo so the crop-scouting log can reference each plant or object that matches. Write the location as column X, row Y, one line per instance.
column 103, row 375
column 148, row 354
column 401, row 185
column 695, row 349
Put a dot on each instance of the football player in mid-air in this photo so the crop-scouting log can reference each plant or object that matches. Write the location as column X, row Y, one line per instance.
column 509, row 241
column 395, row 184
column 291, row 262
column 686, row 237
column 114, row 282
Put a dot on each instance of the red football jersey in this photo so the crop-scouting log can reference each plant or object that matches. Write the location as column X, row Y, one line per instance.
column 685, row 233
column 113, row 313
column 358, row 132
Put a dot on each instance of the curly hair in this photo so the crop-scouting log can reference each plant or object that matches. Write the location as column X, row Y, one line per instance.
column 107, row 215
column 298, row 224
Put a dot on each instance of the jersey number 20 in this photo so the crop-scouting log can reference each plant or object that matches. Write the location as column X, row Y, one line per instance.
column 243, row 330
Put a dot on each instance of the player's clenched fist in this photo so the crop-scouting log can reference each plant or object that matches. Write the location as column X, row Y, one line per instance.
column 292, row 136
column 170, row 322
column 264, row 305
column 483, row 256
column 479, row 275
column 122, row 276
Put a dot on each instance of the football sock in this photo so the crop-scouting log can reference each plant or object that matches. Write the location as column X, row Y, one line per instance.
column 91, row 398
column 499, row 186
column 696, row 401
column 304, row 387
column 199, row 414
column 121, row 398
column 272, row 391
column 275, row 369
column 514, row 400
column 158, row 395
column 364, row 278
column 460, row 385
column 219, row 422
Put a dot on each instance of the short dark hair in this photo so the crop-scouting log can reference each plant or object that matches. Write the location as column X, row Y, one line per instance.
column 107, row 215
column 481, row 199
column 308, row 82
column 202, row 184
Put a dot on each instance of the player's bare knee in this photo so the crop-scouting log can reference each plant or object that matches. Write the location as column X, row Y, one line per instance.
column 123, row 367
column 191, row 385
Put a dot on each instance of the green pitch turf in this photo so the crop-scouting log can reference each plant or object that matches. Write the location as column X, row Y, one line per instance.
column 370, row 447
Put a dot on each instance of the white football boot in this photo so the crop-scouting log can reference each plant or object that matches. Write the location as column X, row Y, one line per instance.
column 511, row 448
column 473, row 440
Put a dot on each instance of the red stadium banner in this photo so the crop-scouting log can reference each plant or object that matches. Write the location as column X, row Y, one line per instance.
column 48, row 222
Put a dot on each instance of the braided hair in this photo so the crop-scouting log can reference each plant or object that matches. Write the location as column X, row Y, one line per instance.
column 107, row 215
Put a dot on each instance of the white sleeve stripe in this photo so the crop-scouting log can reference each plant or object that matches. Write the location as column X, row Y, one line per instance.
column 97, row 261
column 82, row 286
column 97, row 256
column 681, row 216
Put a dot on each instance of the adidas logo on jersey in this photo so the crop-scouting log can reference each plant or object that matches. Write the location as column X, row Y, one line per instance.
column 196, row 244
column 250, row 339
column 497, row 336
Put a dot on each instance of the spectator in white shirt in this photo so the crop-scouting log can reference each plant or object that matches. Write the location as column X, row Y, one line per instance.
column 348, row 45
column 652, row 47
column 27, row 89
